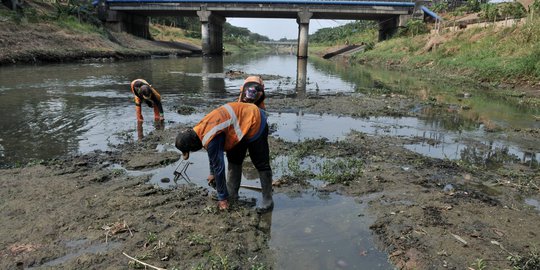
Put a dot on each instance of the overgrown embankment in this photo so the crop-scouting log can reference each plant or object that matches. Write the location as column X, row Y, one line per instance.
column 492, row 53
column 49, row 42
column 40, row 33
column 54, row 31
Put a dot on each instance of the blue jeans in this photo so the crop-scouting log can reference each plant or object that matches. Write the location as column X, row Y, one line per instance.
column 258, row 151
column 217, row 164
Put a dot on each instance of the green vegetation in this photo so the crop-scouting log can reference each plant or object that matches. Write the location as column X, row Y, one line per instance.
column 198, row 239
column 189, row 29
column 413, row 28
column 151, row 237
column 355, row 32
column 493, row 12
column 216, row 262
column 167, row 33
column 75, row 15
column 492, row 53
column 189, row 26
column 310, row 160
column 81, row 17
column 341, row 171
column 479, row 264
column 530, row 261
column 487, row 53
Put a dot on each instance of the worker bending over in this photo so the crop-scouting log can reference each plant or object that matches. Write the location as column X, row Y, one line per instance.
column 143, row 91
column 234, row 128
column 251, row 91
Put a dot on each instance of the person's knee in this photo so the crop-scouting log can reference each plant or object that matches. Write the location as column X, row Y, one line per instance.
column 262, row 165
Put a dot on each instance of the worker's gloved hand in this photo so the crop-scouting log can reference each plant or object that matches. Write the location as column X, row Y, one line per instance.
column 211, row 181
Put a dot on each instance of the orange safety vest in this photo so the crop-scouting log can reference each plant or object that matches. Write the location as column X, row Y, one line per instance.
column 249, row 79
column 236, row 119
column 137, row 99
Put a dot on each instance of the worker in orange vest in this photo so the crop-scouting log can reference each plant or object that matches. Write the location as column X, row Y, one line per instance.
column 251, row 91
column 143, row 91
column 234, row 128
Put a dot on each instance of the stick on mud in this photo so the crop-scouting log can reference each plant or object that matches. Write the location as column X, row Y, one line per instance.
column 143, row 263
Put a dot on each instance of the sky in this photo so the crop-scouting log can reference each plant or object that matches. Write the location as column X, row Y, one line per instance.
column 281, row 28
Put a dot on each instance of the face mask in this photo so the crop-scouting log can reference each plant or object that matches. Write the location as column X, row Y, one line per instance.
column 250, row 93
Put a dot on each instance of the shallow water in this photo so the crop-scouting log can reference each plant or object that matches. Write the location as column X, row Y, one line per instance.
column 54, row 110
column 50, row 111
column 533, row 203
column 308, row 230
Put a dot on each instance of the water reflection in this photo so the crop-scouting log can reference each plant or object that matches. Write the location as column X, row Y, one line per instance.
column 301, row 78
column 490, row 158
column 214, row 85
column 53, row 110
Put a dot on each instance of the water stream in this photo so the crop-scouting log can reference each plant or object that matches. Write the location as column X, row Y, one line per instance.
column 56, row 110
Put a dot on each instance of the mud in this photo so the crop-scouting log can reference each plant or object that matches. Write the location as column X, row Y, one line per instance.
column 47, row 42
column 82, row 213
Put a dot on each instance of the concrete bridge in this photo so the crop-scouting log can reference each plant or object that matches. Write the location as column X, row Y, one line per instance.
column 133, row 15
column 282, row 46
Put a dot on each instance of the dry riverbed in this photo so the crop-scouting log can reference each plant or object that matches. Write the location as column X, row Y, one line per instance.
column 82, row 213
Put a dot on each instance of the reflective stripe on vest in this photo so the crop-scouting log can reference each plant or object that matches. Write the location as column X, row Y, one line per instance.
column 232, row 121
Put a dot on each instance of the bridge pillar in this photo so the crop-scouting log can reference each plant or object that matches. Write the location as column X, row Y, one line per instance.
column 136, row 25
column 13, row 4
column 388, row 27
column 303, row 33
column 211, row 32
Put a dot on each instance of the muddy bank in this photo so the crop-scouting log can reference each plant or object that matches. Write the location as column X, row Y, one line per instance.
column 79, row 213
column 83, row 213
column 48, row 42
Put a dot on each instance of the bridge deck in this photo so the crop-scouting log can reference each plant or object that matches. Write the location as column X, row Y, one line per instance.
column 324, row 9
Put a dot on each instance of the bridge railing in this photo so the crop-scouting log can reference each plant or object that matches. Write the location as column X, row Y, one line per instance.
column 290, row 2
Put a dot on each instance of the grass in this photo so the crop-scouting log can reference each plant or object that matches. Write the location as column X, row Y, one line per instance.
column 198, row 239
column 72, row 23
column 479, row 264
column 341, row 171
column 166, row 33
column 492, row 53
column 529, row 261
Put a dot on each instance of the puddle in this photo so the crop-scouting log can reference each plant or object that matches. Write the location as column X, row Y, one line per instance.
column 330, row 233
column 76, row 248
column 534, row 203
column 449, row 144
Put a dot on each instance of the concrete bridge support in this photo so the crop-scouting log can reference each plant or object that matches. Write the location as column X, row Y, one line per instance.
column 388, row 27
column 211, row 32
column 303, row 33
column 136, row 25
column 12, row 4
